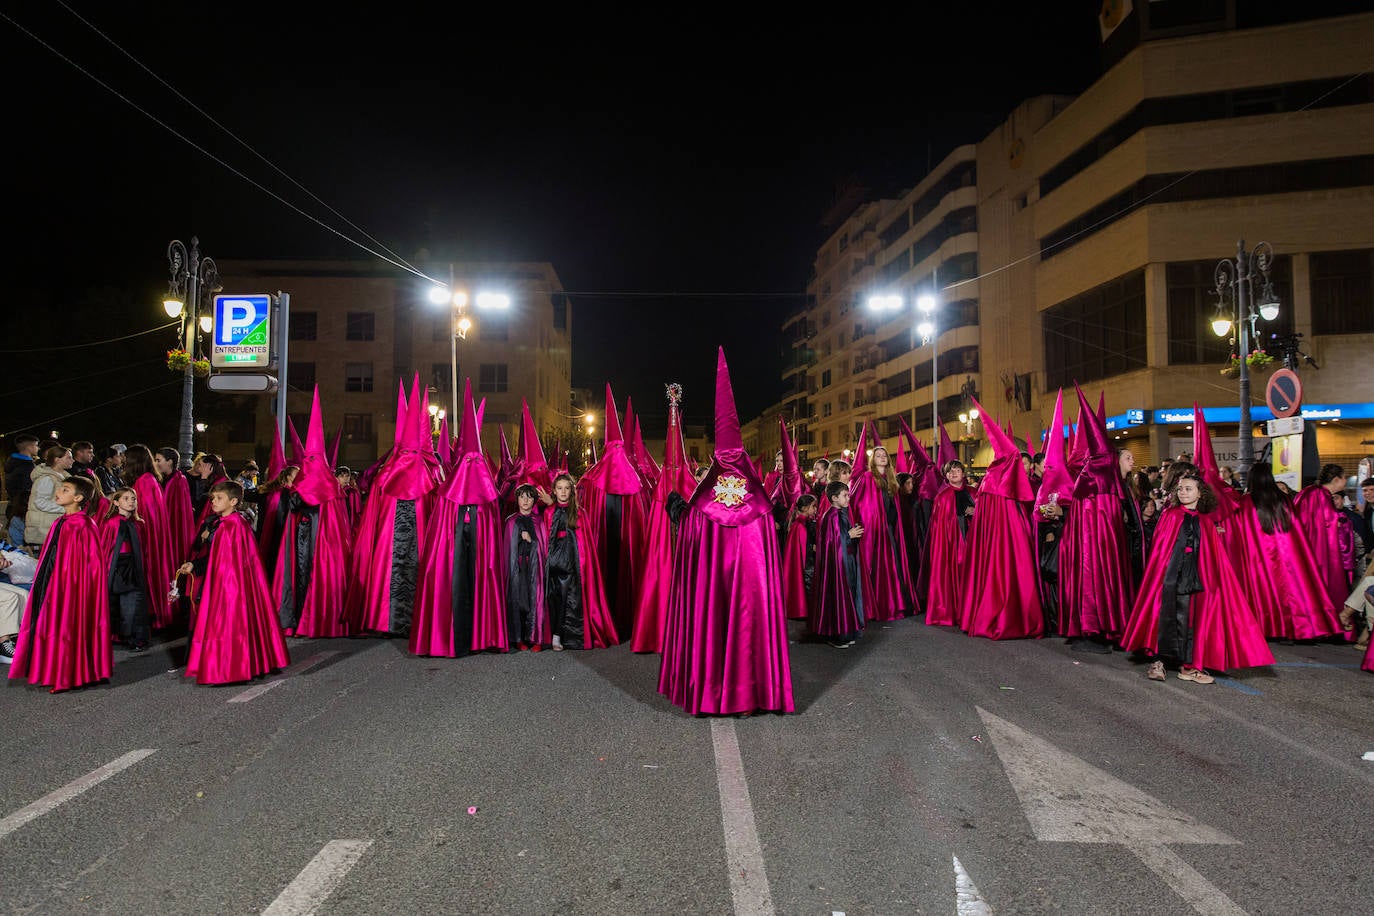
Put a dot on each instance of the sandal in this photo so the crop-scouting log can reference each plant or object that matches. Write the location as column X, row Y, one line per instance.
column 1156, row 672
column 1347, row 618
column 1196, row 675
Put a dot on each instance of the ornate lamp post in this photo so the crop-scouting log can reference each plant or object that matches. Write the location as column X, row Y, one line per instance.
column 1234, row 279
column 191, row 275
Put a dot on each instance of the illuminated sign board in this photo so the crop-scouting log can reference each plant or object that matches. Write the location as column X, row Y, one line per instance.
column 241, row 332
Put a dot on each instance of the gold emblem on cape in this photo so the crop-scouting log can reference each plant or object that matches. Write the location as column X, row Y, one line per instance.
column 730, row 491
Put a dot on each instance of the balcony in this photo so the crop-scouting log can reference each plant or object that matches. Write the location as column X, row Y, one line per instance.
column 866, row 364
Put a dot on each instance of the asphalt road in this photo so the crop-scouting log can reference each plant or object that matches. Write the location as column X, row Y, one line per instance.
column 920, row 761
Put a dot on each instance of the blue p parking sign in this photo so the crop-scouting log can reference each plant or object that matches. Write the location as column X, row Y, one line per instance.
column 241, row 334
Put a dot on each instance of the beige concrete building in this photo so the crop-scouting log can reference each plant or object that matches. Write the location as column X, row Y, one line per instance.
column 358, row 328
column 1102, row 222
column 1078, row 242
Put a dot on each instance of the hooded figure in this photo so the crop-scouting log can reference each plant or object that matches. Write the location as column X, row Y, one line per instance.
column 460, row 604
column 614, row 513
column 1095, row 583
column 643, row 460
column 1000, row 597
column 1228, row 500
column 651, row 606
column 797, row 532
column 181, row 520
column 525, row 543
column 886, row 578
column 787, row 486
column 947, row 454
column 1052, row 504
column 916, row 514
column 269, row 518
column 311, row 576
column 725, row 645
column 386, row 550
column 505, row 472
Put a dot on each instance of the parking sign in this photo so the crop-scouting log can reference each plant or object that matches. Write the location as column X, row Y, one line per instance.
column 241, row 339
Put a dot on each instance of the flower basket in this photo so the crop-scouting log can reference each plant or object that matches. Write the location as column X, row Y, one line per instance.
column 201, row 368
column 178, row 360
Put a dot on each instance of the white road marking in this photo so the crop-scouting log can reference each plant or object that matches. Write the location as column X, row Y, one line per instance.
column 257, row 690
column 1067, row 800
column 319, row 879
column 968, row 900
column 71, row 790
column 743, row 853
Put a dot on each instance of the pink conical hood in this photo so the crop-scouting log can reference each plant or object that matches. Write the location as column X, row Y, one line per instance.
column 445, row 444
column 316, row 483
column 470, row 482
column 675, row 475
column 297, row 449
column 417, row 428
column 648, row 468
column 1005, row 476
column 948, row 452
column 1102, row 408
column 614, row 471
column 731, row 493
column 900, row 462
column 402, row 412
column 1100, row 473
column 334, row 448
column 728, row 437
column 1078, row 446
column 532, row 467
column 860, row 462
column 1203, row 456
column 790, row 486
column 277, row 462
column 1057, row 482
column 927, row 475
column 414, row 468
column 481, row 412
column 506, row 470
column 612, row 432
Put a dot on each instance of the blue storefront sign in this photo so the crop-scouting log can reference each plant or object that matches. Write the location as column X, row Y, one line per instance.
column 1177, row 415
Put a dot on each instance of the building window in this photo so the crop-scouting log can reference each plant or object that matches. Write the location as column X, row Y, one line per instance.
column 361, row 326
column 357, row 427
column 493, row 326
column 358, row 377
column 1097, row 334
column 825, row 378
column 1192, row 305
column 300, row 376
column 844, row 242
column 303, row 325
column 826, row 409
column 844, row 403
column 1343, row 291
column 443, row 327
column 492, row 377
column 825, row 438
column 441, row 377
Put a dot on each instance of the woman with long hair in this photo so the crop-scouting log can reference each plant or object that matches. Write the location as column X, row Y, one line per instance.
column 1321, row 525
column 949, row 523
column 159, row 558
column 886, row 579
column 578, row 614
column 1276, row 565
column 176, row 493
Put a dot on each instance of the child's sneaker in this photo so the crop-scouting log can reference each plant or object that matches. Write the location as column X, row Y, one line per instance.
column 7, row 648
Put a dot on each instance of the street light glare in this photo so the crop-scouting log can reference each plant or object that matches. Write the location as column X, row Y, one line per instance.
column 926, row 303
column 1221, row 326
column 1269, row 310
column 493, row 301
column 884, row 303
column 207, row 323
column 925, row 329
column 172, row 307
column 460, row 298
column 973, row 414
column 438, row 294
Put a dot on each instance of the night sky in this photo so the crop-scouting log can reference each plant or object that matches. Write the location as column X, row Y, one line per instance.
column 673, row 167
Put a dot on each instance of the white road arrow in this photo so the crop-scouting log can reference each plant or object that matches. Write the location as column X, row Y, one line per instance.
column 1066, row 800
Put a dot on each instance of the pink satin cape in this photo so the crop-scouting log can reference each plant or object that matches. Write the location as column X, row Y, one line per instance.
column 794, row 595
column 1001, row 593
column 725, row 645
column 158, row 547
column 235, row 636
column 181, row 521
column 621, row 595
column 368, row 602
column 65, row 642
column 1281, row 580
column 1095, row 585
column 598, row 628
column 943, row 604
column 655, row 580
column 886, row 581
column 1226, row 632
column 322, row 613
column 431, row 629
column 833, row 611
column 1317, row 518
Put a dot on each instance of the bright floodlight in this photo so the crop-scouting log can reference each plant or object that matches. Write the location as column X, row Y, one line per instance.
column 925, row 329
column 1269, row 310
column 438, row 294
column 973, row 414
column 963, row 418
column 172, row 306
column 207, row 323
column 201, row 427
column 460, row 298
column 433, row 410
column 1221, row 326
column 493, row 301
column 926, row 303
column 884, row 303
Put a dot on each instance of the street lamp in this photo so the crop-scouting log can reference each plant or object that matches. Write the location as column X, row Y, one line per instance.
column 926, row 304
column 190, row 276
column 1233, row 285
column 968, row 419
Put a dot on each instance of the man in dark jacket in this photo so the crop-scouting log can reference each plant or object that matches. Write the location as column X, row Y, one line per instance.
column 18, row 481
